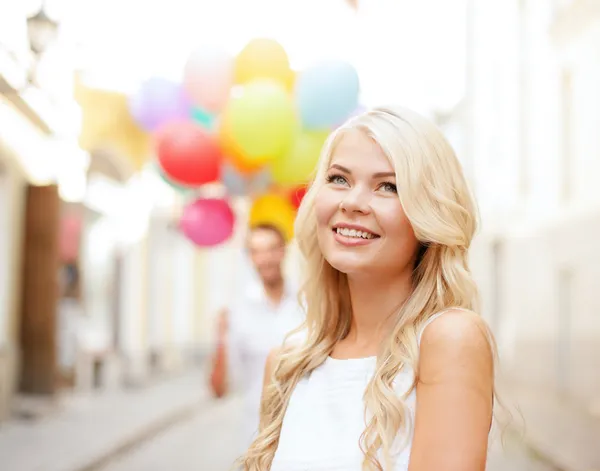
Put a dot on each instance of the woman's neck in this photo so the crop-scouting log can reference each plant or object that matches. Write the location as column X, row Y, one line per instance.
column 374, row 303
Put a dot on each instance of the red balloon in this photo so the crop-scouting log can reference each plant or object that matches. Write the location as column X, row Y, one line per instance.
column 297, row 195
column 207, row 222
column 188, row 154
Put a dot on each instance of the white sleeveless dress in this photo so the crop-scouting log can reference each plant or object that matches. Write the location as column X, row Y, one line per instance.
column 325, row 418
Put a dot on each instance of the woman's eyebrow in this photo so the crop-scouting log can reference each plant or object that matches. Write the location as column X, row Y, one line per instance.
column 375, row 175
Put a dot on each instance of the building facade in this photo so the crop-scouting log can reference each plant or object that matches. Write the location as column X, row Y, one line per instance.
column 527, row 133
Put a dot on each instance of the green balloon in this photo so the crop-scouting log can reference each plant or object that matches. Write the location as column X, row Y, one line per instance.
column 296, row 167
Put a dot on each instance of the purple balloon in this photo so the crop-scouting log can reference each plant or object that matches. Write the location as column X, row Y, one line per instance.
column 207, row 222
column 360, row 109
column 157, row 102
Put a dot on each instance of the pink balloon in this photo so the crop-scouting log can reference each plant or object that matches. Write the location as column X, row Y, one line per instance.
column 208, row 78
column 207, row 222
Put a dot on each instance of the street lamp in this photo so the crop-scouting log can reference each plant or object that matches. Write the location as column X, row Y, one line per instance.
column 42, row 30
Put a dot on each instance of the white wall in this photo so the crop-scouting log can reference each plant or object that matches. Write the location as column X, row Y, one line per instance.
column 133, row 311
column 160, row 281
column 183, row 293
column 98, row 248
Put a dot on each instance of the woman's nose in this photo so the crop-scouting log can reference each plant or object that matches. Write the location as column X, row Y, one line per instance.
column 356, row 200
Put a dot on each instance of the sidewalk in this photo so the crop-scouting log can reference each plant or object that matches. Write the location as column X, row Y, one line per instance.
column 556, row 430
column 89, row 430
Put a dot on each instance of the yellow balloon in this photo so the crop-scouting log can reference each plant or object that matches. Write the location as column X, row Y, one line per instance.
column 232, row 152
column 264, row 58
column 262, row 120
column 275, row 210
column 298, row 165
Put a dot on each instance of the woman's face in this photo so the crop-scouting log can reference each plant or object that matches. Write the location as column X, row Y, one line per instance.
column 361, row 226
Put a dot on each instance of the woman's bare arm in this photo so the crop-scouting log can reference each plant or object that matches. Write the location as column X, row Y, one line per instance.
column 454, row 395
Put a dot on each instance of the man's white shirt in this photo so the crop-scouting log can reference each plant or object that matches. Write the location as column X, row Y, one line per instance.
column 256, row 326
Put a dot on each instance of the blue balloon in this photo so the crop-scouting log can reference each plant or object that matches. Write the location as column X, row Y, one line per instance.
column 327, row 94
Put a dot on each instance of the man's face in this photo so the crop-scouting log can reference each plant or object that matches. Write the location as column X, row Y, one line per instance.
column 267, row 251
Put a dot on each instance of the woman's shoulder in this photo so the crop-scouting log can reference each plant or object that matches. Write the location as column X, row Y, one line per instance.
column 456, row 340
column 455, row 325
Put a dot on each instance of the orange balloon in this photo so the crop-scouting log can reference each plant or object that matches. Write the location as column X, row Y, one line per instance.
column 232, row 152
column 264, row 58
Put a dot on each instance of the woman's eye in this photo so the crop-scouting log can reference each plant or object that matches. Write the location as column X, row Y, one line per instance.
column 336, row 179
column 387, row 186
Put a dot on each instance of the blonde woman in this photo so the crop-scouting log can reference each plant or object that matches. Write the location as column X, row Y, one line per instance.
column 397, row 371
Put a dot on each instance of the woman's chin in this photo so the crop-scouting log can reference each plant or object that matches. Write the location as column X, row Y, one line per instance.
column 350, row 264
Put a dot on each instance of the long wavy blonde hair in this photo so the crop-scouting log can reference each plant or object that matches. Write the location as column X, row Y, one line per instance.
column 442, row 212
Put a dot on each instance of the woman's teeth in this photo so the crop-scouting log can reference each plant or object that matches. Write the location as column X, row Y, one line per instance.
column 354, row 233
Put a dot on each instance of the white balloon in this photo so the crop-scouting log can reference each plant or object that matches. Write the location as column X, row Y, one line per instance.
column 208, row 77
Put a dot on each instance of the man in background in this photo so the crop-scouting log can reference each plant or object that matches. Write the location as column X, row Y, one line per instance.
column 252, row 325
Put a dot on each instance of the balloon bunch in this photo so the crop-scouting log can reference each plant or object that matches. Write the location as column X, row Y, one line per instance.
column 248, row 122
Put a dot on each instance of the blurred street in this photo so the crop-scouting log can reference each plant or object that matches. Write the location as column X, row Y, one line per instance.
column 200, row 443
column 173, row 425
